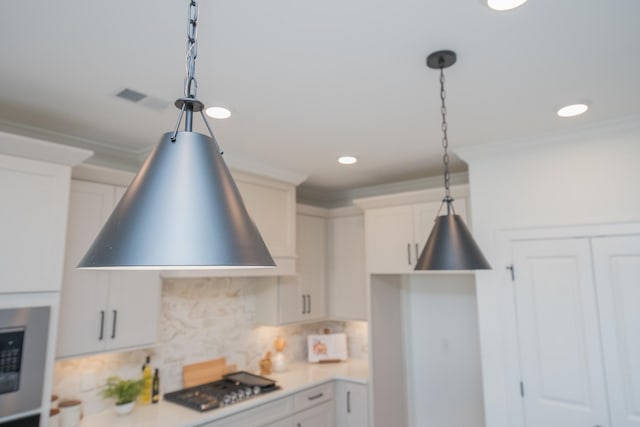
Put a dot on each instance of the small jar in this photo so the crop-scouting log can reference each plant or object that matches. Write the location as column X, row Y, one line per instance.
column 70, row 413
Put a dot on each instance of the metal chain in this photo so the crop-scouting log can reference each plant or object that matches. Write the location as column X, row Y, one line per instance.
column 445, row 138
column 190, row 82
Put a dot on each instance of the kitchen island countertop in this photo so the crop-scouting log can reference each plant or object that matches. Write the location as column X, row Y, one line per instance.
column 298, row 377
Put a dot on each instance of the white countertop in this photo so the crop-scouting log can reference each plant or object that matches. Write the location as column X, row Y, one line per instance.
column 298, row 377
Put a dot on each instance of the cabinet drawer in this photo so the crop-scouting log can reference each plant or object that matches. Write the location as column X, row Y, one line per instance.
column 313, row 396
column 260, row 416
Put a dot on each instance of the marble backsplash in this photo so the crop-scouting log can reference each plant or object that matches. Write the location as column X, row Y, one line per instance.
column 200, row 319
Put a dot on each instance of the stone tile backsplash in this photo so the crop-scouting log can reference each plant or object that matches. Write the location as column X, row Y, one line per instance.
column 200, row 319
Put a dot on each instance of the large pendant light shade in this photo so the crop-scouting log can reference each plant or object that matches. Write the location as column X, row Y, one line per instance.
column 450, row 245
column 181, row 211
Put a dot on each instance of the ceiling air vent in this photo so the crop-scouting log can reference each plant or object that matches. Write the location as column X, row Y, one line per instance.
column 151, row 102
column 130, row 95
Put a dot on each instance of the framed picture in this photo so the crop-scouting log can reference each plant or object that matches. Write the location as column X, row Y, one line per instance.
column 327, row 348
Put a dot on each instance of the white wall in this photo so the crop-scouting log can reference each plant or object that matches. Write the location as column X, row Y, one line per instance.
column 443, row 358
column 589, row 177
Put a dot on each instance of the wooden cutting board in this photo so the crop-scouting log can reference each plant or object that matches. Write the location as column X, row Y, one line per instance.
column 205, row 372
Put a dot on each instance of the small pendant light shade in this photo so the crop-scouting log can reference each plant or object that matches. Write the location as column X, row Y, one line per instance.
column 181, row 211
column 450, row 246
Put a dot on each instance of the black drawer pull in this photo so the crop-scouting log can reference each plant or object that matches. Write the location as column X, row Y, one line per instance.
column 315, row 396
column 101, row 325
column 115, row 321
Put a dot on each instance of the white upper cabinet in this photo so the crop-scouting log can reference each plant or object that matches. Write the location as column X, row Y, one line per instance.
column 346, row 270
column 397, row 227
column 35, row 196
column 303, row 297
column 102, row 310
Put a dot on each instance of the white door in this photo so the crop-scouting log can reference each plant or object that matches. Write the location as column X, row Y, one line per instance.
column 617, row 272
column 560, row 348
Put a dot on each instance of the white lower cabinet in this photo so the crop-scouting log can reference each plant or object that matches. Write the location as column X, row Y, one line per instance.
column 102, row 310
column 313, row 407
column 319, row 416
column 352, row 407
column 269, row 414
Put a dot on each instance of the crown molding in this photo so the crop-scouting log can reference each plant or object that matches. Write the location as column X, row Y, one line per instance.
column 623, row 127
column 37, row 149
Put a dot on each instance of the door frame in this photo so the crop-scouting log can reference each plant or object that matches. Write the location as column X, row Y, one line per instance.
column 507, row 297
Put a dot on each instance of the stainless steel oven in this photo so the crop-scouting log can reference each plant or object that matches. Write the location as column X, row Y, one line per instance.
column 23, row 352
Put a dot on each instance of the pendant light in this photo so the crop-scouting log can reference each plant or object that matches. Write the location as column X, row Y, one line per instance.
column 450, row 245
column 183, row 209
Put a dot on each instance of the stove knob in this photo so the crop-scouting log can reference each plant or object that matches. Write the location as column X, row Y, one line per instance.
column 240, row 394
column 248, row 392
column 234, row 396
column 256, row 390
column 226, row 399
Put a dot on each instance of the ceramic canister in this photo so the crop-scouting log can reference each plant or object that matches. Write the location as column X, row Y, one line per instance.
column 70, row 413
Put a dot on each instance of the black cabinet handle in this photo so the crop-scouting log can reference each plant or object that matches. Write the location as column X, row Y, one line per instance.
column 304, row 304
column 315, row 396
column 115, row 321
column 101, row 325
column 409, row 253
column 349, row 402
column 309, row 307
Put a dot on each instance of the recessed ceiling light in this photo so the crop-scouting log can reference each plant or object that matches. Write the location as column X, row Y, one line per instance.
column 572, row 110
column 218, row 113
column 347, row 160
column 502, row 5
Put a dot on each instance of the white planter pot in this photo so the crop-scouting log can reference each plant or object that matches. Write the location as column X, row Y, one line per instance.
column 125, row 408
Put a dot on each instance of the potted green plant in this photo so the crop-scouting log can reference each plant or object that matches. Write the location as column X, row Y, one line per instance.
column 124, row 391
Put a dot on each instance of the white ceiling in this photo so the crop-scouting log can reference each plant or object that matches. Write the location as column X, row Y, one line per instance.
column 309, row 81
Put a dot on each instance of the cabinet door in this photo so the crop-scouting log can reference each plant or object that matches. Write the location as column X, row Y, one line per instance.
column 83, row 300
column 352, row 405
column 133, row 309
column 617, row 272
column 389, row 240
column 319, row 416
column 290, row 302
column 347, row 282
column 311, row 242
column 32, row 231
column 271, row 205
column 559, row 336
column 424, row 216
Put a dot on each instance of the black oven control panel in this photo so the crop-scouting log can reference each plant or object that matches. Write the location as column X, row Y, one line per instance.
column 11, row 341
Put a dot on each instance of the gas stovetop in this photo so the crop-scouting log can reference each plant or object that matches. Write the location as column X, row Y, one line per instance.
column 232, row 388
